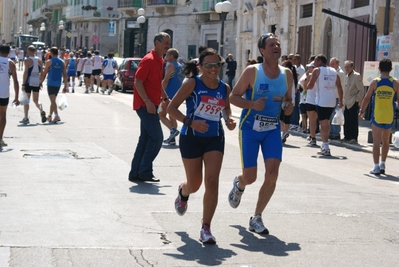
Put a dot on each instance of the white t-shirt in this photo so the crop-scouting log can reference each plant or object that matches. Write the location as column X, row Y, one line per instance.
column 87, row 67
column 4, row 77
column 326, row 87
column 97, row 62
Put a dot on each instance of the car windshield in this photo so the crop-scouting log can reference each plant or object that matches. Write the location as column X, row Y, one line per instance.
column 134, row 64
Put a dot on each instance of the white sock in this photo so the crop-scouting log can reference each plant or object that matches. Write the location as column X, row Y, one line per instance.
column 382, row 162
column 73, row 84
column 376, row 165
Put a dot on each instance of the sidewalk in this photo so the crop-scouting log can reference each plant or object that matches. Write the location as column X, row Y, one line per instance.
column 364, row 128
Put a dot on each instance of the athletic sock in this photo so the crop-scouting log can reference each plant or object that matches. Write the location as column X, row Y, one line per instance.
column 181, row 196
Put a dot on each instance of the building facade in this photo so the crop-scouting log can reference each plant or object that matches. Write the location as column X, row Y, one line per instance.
column 303, row 26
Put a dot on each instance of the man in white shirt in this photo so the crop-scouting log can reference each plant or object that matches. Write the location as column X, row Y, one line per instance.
column 335, row 130
column 300, row 70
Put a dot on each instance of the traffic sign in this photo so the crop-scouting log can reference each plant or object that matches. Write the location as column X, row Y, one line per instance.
column 95, row 39
column 69, row 34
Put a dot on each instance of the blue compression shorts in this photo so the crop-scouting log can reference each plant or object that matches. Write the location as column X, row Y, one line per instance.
column 250, row 141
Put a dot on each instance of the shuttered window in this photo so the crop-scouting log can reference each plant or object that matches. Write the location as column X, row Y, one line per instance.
column 307, row 11
column 360, row 3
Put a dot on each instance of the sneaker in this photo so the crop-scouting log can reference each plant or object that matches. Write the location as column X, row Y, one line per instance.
column 353, row 141
column 43, row 115
column 324, row 152
column 80, row 84
column 256, row 225
column 56, row 119
column 2, row 143
column 284, row 137
column 87, row 91
column 206, row 236
column 102, row 90
column 109, row 91
column 73, row 90
column 312, row 141
column 382, row 168
column 173, row 133
column 376, row 171
column 96, row 90
column 25, row 120
column 235, row 194
column 180, row 205
column 172, row 142
column 308, row 138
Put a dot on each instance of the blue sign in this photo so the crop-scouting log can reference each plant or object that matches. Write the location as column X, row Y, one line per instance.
column 111, row 28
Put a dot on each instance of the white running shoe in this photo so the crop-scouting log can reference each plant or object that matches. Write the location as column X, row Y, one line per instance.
column 235, row 194
column 256, row 225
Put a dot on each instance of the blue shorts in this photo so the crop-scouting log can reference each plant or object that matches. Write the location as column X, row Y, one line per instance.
column 12, row 58
column 108, row 77
column 71, row 73
column 250, row 141
column 383, row 126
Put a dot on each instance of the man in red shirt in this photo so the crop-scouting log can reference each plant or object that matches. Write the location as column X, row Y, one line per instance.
column 147, row 97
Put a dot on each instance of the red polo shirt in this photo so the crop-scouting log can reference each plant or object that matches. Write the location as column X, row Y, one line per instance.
column 150, row 72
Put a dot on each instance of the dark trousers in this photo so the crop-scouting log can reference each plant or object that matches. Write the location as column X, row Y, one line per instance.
column 149, row 145
column 295, row 113
column 230, row 81
column 351, row 125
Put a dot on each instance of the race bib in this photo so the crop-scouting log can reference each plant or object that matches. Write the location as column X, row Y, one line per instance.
column 264, row 123
column 209, row 110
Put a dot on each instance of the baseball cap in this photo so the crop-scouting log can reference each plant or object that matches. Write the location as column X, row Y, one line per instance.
column 311, row 64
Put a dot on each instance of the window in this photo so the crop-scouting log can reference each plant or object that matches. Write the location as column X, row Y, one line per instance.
column 307, row 11
column 360, row 3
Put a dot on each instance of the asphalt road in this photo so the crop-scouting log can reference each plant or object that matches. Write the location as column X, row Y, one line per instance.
column 65, row 200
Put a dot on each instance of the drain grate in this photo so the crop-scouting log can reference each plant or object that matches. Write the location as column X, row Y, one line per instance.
column 49, row 154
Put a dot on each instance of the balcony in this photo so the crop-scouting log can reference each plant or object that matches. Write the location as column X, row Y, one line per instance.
column 129, row 7
column 36, row 17
column 74, row 13
column 162, row 6
column 57, row 3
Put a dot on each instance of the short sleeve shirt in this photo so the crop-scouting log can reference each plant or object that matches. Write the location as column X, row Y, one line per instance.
column 149, row 72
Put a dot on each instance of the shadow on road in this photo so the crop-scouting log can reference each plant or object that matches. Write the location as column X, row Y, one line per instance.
column 147, row 188
column 384, row 177
column 267, row 244
column 193, row 250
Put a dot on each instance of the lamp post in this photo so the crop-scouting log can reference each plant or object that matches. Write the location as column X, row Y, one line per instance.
column 222, row 8
column 19, row 33
column 30, row 29
column 141, row 21
column 60, row 28
column 42, row 29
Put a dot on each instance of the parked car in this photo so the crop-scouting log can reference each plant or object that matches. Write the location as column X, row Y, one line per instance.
column 127, row 71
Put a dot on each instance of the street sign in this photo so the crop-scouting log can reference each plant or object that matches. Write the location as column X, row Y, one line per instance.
column 383, row 47
column 95, row 39
column 69, row 35
column 371, row 71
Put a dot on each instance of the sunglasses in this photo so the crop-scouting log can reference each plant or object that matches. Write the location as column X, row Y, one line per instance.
column 265, row 36
column 208, row 65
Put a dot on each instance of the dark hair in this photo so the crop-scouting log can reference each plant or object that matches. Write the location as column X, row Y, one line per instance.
column 289, row 65
column 88, row 54
column 96, row 52
column 385, row 65
column 209, row 52
column 322, row 58
column 259, row 59
column 159, row 36
column 110, row 55
column 4, row 49
column 263, row 38
column 190, row 68
column 311, row 58
column 54, row 51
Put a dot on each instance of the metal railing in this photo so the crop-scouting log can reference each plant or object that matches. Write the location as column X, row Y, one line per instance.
column 161, row 2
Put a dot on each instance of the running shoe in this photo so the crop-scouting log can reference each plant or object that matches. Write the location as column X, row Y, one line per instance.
column 235, row 194
column 173, row 133
column 180, row 205
column 25, row 120
column 91, row 89
column 109, row 91
column 376, row 171
column 171, row 142
column 2, row 143
column 382, row 168
column 256, row 225
column 56, row 119
column 43, row 115
column 324, row 152
column 97, row 90
column 312, row 141
column 87, row 91
column 206, row 236
column 73, row 90
column 284, row 137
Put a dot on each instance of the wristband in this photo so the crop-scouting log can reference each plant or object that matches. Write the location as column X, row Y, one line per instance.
column 361, row 111
column 187, row 121
column 145, row 100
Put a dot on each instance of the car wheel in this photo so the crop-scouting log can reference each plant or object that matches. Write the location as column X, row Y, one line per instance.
column 123, row 88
